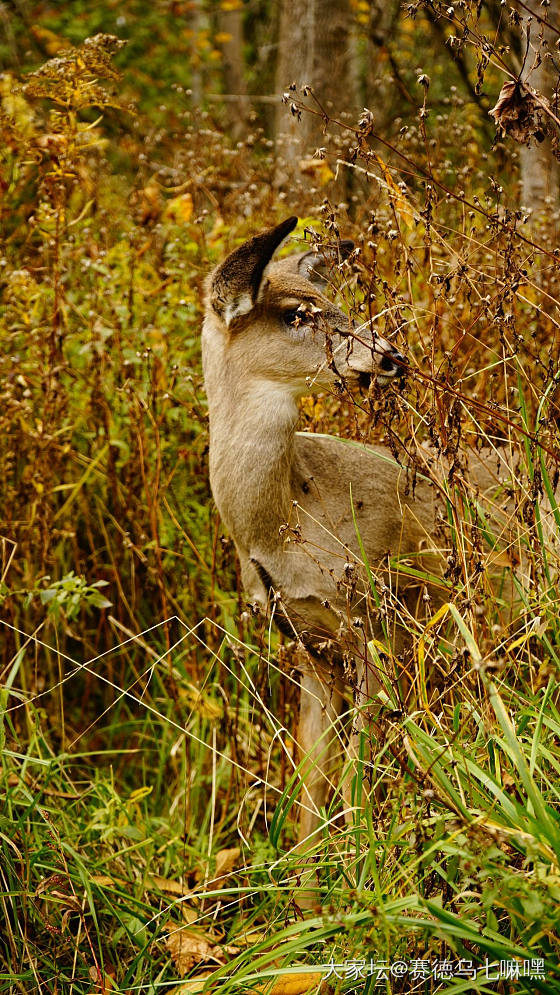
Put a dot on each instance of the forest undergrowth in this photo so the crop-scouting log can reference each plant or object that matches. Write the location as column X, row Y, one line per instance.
column 150, row 776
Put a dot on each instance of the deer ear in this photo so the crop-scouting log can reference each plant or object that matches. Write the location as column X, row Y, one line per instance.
column 234, row 285
column 316, row 265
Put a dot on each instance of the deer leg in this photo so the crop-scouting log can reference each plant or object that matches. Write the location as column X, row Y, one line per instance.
column 356, row 789
column 320, row 706
column 321, row 740
column 318, row 742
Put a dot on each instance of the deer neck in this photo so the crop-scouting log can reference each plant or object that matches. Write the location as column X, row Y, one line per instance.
column 252, row 429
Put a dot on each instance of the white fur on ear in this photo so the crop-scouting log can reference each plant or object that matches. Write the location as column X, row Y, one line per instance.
column 234, row 286
column 237, row 308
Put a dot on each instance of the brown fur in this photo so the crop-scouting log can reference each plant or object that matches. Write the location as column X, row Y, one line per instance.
column 266, row 476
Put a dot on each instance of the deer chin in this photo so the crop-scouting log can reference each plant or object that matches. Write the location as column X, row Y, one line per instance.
column 389, row 365
column 384, row 379
column 365, row 378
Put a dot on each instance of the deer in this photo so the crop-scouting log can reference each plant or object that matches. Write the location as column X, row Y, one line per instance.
column 307, row 511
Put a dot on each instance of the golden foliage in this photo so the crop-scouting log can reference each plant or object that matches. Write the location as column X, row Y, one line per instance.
column 71, row 78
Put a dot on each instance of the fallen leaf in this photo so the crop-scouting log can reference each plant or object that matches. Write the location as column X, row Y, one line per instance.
column 168, row 886
column 103, row 880
column 188, row 947
column 189, row 914
column 252, row 937
column 226, row 860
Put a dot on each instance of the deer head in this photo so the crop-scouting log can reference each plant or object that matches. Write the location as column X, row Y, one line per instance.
column 272, row 319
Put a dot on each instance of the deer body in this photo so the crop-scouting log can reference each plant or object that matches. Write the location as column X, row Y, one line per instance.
column 267, row 336
column 316, row 486
column 265, row 475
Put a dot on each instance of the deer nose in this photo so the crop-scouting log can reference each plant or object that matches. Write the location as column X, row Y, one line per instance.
column 393, row 363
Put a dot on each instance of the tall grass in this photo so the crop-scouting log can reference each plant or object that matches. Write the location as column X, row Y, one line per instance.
column 150, row 777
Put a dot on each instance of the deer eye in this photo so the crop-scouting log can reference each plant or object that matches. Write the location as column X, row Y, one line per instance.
column 293, row 317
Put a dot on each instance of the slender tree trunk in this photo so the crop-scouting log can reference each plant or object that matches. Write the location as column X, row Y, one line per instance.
column 315, row 48
column 540, row 173
column 197, row 23
column 294, row 68
column 380, row 89
column 230, row 23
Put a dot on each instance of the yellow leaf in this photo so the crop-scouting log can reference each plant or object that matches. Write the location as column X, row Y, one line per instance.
column 251, row 937
column 104, row 881
column 528, row 292
column 141, row 793
column 222, row 37
column 49, row 40
column 188, row 914
column 179, row 209
column 318, row 168
column 421, row 651
column 104, row 982
column 293, row 984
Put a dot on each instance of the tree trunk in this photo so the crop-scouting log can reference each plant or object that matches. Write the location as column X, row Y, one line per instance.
column 197, row 23
column 315, row 48
column 230, row 23
column 539, row 169
column 383, row 85
column 294, row 67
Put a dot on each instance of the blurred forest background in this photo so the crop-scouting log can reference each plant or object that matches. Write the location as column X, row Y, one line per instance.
column 149, row 800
